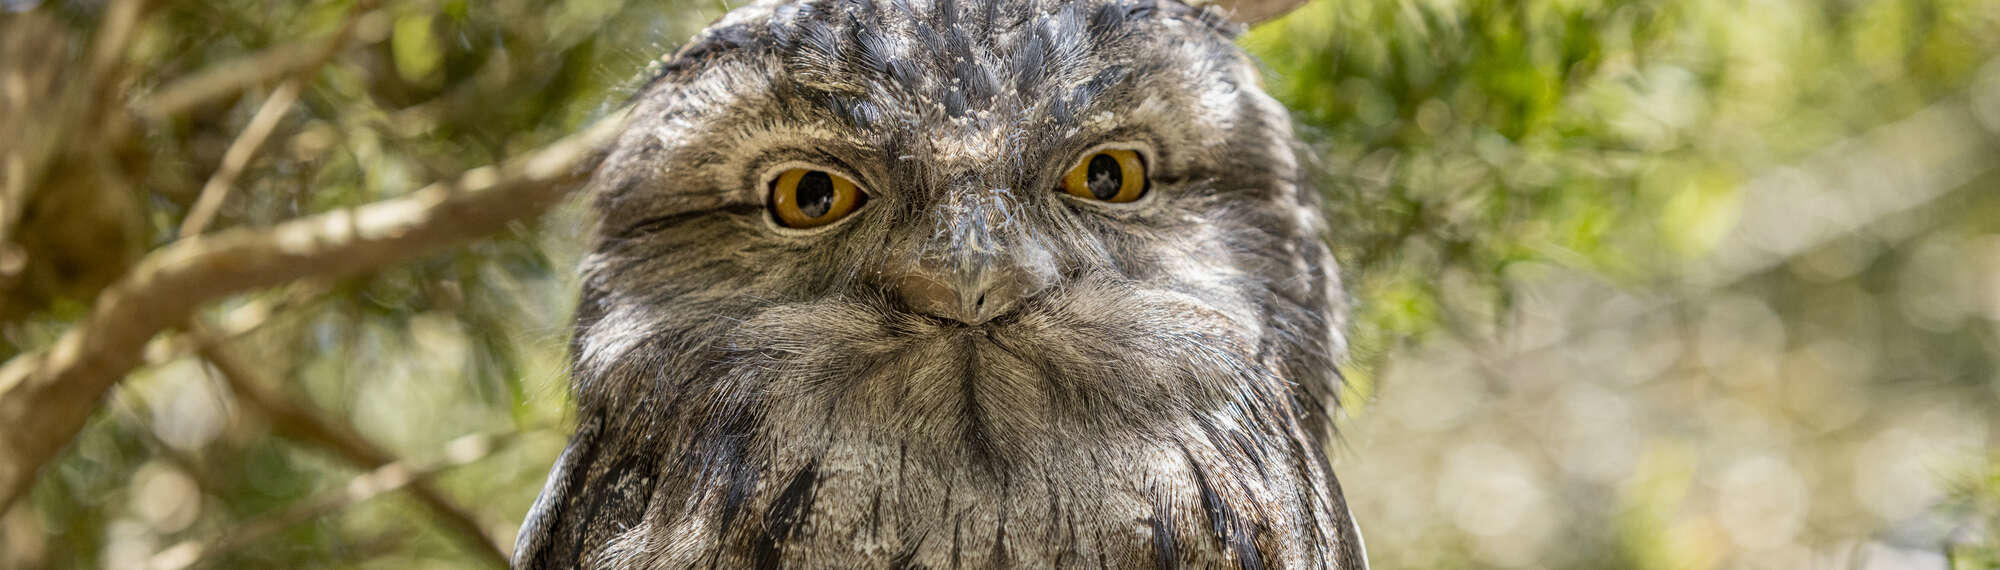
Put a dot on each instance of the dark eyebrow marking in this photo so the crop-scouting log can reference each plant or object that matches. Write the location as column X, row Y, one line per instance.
column 657, row 223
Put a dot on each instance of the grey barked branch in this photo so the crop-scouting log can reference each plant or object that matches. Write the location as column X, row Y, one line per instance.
column 848, row 307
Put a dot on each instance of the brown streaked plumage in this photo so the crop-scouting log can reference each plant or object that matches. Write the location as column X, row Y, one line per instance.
column 973, row 368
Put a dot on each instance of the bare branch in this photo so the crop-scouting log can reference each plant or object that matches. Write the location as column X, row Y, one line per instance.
column 296, row 422
column 238, row 156
column 101, row 118
column 384, row 479
column 222, row 80
column 45, row 396
column 238, row 323
column 120, row 25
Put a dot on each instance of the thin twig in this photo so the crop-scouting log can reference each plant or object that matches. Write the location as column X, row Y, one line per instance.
column 388, row 477
column 218, row 81
column 239, row 322
column 102, row 123
column 120, row 25
column 238, row 156
column 296, row 422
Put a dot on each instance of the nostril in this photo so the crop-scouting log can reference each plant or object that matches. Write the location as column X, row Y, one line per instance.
column 981, row 303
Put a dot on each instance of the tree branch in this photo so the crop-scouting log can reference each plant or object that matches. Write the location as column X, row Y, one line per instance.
column 45, row 396
column 296, row 422
column 238, row 156
column 388, row 477
column 219, row 81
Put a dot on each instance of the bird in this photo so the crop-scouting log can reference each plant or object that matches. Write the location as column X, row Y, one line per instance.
column 953, row 284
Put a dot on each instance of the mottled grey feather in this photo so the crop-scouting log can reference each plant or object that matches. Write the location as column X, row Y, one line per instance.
column 1156, row 395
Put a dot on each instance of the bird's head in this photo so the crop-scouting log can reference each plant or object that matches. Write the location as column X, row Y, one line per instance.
column 1087, row 212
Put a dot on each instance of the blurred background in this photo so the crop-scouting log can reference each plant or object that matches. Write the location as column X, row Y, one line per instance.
column 1673, row 284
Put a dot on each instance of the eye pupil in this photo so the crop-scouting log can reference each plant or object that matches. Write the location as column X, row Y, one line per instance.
column 1114, row 175
column 1104, row 176
column 809, row 198
column 815, row 194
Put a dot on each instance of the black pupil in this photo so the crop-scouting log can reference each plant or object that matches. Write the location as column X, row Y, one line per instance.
column 815, row 194
column 1105, row 176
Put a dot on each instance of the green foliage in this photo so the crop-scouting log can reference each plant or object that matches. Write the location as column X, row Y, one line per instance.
column 1460, row 138
column 1474, row 151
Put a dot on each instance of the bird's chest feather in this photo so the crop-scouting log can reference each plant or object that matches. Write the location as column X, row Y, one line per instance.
column 872, row 485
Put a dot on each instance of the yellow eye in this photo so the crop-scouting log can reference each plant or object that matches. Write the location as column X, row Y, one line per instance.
column 804, row 198
column 1111, row 175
